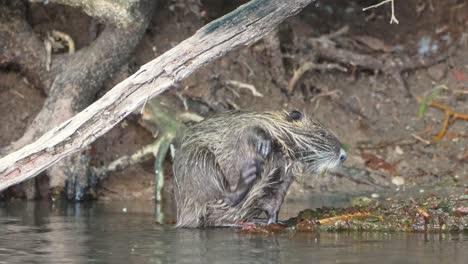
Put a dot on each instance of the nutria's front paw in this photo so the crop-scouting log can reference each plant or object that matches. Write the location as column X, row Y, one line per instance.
column 263, row 147
column 262, row 142
column 250, row 172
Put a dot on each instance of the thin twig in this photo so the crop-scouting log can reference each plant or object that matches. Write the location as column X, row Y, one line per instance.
column 393, row 18
column 330, row 93
column 376, row 5
column 247, row 86
column 427, row 142
column 190, row 117
column 460, row 91
column 20, row 95
column 123, row 162
column 311, row 66
column 48, row 48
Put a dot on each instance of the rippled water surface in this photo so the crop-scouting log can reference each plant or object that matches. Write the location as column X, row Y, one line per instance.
column 37, row 232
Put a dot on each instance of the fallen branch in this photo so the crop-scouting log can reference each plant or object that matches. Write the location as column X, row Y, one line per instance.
column 382, row 63
column 347, row 217
column 394, row 66
column 243, row 26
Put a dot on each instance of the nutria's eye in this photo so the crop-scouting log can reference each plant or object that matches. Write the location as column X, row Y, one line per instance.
column 322, row 133
column 294, row 116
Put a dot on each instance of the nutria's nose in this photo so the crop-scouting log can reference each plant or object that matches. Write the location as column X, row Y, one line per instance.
column 342, row 155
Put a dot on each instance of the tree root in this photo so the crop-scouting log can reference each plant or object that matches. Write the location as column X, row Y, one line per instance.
column 325, row 47
column 20, row 47
column 393, row 66
column 120, row 13
column 71, row 85
column 273, row 47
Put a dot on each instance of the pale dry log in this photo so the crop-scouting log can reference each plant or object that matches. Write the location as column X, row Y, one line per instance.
column 243, row 26
column 78, row 78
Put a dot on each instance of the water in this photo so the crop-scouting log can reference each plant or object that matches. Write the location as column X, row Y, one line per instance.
column 37, row 232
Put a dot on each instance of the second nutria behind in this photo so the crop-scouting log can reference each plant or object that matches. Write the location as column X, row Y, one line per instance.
column 234, row 166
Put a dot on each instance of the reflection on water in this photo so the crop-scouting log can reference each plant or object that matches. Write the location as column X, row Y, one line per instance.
column 104, row 233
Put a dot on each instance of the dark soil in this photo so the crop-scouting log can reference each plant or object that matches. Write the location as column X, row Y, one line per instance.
column 367, row 110
column 24, row 101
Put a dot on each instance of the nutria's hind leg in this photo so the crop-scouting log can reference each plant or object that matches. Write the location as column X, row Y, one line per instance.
column 250, row 172
column 273, row 202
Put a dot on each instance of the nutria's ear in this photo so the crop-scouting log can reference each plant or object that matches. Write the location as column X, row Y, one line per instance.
column 294, row 116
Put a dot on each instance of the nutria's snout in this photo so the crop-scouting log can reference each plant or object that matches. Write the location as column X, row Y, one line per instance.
column 320, row 162
column 335, row 163
column 342, row 155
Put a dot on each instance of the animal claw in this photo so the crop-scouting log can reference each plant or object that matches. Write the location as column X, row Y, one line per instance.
column 273, row 219
column 250, row 172
column 250, row 179
column 251, row 169
column 264, row 148
column 262, row 142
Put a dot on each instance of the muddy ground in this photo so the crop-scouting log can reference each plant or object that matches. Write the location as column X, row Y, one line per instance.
column 390, row 147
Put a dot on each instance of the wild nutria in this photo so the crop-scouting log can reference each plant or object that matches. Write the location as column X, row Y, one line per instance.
column 234, row 166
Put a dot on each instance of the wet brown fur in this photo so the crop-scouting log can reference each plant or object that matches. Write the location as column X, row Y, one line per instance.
column 207, row 166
